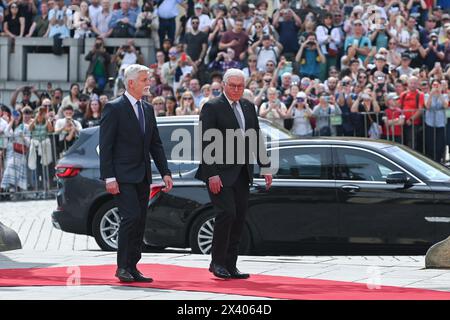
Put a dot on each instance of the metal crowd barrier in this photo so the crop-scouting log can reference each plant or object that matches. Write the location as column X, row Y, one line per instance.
column 27, row 165
column 430, row 140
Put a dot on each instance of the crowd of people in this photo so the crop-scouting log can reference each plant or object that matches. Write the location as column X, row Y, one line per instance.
column 368, row 68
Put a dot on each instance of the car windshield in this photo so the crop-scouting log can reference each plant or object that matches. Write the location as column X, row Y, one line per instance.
column 274, row 132
column 433, row 171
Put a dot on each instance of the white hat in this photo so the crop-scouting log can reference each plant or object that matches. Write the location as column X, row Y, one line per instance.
column 301, row 94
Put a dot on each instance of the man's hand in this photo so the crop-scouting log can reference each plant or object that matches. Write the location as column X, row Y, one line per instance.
column 215, row 184
column 268, row 178
column 168, row 182
column 112, row 187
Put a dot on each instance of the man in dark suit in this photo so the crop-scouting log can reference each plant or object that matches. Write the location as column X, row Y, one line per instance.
column 228, row 179
column 128, row 136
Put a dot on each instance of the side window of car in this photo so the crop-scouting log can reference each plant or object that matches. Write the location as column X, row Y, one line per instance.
column 178, row 141
column 304, row 163
column 359, row 165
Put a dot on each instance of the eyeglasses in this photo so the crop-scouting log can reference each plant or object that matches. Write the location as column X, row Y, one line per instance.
column 187, row 98
column 172, row 53
column 234, row 86
column 393, row 43
column 194, row 22
column 257, row 27
column 251, row 60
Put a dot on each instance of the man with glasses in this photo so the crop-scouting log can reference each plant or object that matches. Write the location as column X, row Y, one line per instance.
column 196, row 42
column 228, row 179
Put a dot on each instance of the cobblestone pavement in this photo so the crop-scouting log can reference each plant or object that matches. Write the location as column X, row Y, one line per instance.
column 32, row 221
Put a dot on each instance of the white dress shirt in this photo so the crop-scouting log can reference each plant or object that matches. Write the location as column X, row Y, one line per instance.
column 239, row 109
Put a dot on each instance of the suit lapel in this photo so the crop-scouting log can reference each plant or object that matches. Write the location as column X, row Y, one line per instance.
column 230, row 112
column 134, row 120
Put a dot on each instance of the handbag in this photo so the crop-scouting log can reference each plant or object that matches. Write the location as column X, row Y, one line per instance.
column 20, row 148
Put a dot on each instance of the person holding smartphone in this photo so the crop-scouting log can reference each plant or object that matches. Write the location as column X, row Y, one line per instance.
column 15, row 174
column 435, row 52
column 301, row 114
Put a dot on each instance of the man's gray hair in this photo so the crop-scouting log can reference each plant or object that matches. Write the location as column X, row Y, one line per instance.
column 132, row 71
column 233, row 73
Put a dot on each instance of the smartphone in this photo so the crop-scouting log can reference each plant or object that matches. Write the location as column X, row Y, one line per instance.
column 183, row 57
column 16, row 114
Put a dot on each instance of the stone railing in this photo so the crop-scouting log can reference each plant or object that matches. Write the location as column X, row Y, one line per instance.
column 31, row 59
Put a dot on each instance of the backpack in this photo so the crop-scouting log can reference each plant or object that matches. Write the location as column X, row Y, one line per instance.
column 272, row 48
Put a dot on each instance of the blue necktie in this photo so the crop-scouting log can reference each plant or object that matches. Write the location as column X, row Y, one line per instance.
column 141, row 117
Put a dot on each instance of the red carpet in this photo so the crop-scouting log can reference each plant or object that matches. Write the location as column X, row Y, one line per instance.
column 198, row 279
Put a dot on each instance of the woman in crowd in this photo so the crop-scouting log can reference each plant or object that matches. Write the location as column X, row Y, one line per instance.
column 300, row 112
column 187, row 105
column 15, row 174
column 158, row 104
column 171, row 105
column 82, row 22
column 72, row 99
column 14, row 23
column 435, row 122
column 40, row 155
column 93, row 114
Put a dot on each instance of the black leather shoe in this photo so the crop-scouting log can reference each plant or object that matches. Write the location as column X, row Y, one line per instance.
column 139, row 277
column 236, row 274
column 124, row 275
column 219, row 271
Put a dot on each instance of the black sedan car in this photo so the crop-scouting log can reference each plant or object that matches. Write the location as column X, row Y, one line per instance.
column 327, row 193
column 338, row 193
column 84, row 206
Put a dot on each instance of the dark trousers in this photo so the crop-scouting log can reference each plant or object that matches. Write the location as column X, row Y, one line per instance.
column 413, row 137
column 230, row 205
column 167, row 26
column 132, row 202
column 435, row 143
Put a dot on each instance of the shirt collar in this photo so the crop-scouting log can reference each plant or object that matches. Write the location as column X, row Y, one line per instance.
column 131, row 98
column 230, row 101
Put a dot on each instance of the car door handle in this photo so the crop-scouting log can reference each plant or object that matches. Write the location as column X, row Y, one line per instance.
column 350, row 188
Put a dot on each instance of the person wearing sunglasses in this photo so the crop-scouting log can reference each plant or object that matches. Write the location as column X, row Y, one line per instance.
column 14, row 24
column 187, row 105
column 301, row 114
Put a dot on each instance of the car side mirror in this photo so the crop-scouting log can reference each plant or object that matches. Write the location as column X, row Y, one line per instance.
column 397, row 177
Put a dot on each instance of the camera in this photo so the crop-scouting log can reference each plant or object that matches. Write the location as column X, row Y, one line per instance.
column 310, row 43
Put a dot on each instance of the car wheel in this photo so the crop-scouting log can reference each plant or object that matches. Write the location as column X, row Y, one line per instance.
column 201, row 235
column 105, row 226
